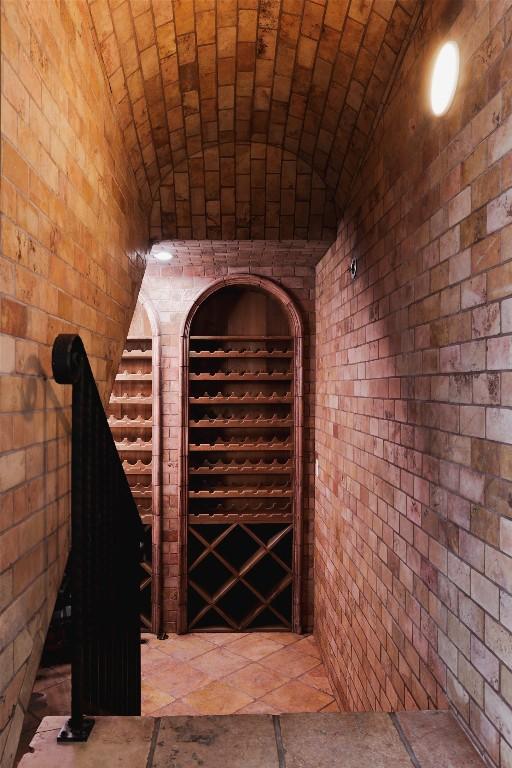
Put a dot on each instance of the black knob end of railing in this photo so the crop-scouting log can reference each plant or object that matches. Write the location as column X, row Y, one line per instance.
column 68, row 354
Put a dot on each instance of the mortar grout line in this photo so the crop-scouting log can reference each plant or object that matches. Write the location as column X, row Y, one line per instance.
column 281, row 753
column 152, row 747
column 405, row 741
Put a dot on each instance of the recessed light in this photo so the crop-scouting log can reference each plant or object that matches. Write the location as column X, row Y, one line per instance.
column 445, row 76
column 161, row 252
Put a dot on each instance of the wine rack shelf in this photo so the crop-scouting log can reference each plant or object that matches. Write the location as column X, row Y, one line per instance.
column 247, row 445
column 260, row 421
column 127, row 423
column 240, row 482
column 131, row 421
column 246, row 493
column 240, row 354
column 247, row 468
column 136, row 399
column 246, row 399
column 223, row 338
column 138, row 354
column 243, row 376
column 124, row 376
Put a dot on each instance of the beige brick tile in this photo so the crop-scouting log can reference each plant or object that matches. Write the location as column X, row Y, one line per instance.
column 485, row 593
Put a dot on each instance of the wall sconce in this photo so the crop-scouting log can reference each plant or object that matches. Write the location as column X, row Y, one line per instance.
column 445, row 76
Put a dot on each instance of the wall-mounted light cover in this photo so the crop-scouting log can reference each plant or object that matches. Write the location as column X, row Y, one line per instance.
column 161, row 252
column 445, row 77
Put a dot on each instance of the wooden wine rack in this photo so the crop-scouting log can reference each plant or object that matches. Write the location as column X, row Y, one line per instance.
column 240, row 488
column 131, row 421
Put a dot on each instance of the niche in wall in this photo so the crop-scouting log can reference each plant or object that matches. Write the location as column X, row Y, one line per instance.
column 241, row 460
column 133, row 416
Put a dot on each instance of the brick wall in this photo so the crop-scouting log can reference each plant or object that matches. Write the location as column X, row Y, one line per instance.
column 70, row 225
column 413, row 566
column 173, row 289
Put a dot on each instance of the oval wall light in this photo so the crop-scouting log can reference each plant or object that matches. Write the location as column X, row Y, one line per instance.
column 445, row 76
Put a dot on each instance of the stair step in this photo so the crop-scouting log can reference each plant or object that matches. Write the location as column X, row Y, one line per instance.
column 308, row 740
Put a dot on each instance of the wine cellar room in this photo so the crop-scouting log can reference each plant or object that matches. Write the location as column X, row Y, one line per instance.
column 273, row 238
column 207, row 413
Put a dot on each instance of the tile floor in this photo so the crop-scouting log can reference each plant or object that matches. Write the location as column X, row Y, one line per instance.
column 207, row 674
column 220, row 674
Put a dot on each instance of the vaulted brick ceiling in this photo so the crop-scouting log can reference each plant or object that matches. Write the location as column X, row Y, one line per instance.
column 248, row 118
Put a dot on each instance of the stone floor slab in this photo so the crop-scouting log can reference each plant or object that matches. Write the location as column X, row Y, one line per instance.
column 437, row 740
column 330, row 740
column 245, row 741
column 253, row 740
column 116, row 742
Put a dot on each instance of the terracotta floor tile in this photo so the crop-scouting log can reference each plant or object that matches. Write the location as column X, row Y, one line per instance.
column 220, row 638
column 48, row 676
column 283, row 638
column 184, row 647
column 217, row 698
column 316, row 677
column 153, row 698
column 309, row 645
column 290, row 662
column 151, row 658
column 219, row 663
column 295, row 696
column 332, row 707
column 254, row 647
column 256, row 680
column 177, row 707
column 178, row 678
column 258, row 708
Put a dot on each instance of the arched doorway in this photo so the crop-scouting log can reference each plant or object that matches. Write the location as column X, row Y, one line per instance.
column 240, row 490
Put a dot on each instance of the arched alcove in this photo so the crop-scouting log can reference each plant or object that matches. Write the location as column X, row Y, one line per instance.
column 241, row 459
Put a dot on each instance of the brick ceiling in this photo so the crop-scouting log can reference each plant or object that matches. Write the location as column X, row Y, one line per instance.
column 247, row 118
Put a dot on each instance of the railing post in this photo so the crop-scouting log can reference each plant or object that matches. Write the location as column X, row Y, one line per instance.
column 106, row 533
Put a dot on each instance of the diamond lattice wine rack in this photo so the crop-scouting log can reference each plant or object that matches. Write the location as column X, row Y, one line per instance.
column 240, row 534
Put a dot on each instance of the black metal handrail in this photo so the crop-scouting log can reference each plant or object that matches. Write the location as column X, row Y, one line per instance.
column 105, row 554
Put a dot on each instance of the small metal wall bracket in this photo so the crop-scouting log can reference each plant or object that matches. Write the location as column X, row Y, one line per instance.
column 353, row 267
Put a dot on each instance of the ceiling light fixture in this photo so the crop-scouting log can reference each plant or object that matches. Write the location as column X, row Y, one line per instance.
column 445, row 76
column 161, row 252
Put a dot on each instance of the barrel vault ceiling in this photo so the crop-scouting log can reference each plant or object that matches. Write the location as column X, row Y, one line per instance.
column 247, row 118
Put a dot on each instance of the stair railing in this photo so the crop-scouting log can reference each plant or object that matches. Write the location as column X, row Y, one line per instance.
column 106, row 535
